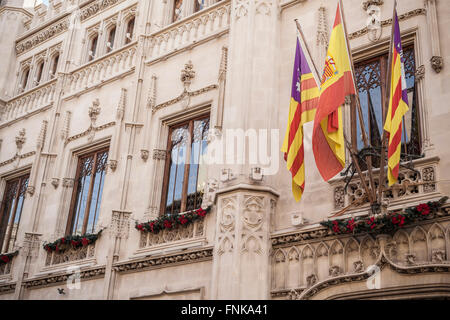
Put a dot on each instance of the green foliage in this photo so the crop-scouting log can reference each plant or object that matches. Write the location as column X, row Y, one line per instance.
column 72, row 241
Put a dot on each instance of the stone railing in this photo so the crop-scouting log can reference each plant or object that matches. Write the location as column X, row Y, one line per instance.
column 412, row 184
column 303, row 259
column 191, row 30
column 70, row 255
column 29, row 102
column 114, row 64
column 194, row 231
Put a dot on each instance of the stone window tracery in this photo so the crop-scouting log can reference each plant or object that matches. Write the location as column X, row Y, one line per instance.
column 184, row 181
column 87, row 196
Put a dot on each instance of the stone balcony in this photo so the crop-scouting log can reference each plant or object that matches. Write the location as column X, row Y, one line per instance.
column 29, row 102
column 71, row 255
column 104, row 69
column 184, row 34
column 418, row 184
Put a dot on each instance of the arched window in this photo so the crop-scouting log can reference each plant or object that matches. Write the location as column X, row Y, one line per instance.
column 93, row 47
column 111, row 37
column 54, row 66
column 130, row 30
column 39, row 71
column 24, row 80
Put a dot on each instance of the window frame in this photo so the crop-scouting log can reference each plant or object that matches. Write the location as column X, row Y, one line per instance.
column 127, row 26
column 18, row 193
column 71, row 217
column 190, row 122
column 381, row 52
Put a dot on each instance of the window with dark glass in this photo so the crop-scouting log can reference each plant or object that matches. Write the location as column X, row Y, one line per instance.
column 130, row 30
column 11, row 211
column 185, row 181
column 54, row 66
column 93, row 48
column 40, row 69
column 24, row 80
column 111, row 37
column 87, row 196
column 371, row 78
column 199, row 5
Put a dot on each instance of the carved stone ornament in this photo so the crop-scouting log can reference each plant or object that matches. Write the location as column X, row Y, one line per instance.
column 94, row 110
column 145, row 154
column 335, row 271
column 21, row 139
column 187, row 74
column 113, row 165
column 311, row 280
column 420, row 73
column 358, row 266
column 68, row 182
column 159, row 154
column 437, row 63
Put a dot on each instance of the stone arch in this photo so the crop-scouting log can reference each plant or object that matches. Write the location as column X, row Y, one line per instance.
column 279, row 263
column 369, row 251
column 351, row 255
column 419, row 244
column 401, row 240
column 336, row 257
column 322, row 261
column 436, row 236
column 307, row 263
column 293, row 268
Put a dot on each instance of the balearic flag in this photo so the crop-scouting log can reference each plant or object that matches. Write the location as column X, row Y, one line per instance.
column 302, row 109
column 398, row 104
column 336, row 83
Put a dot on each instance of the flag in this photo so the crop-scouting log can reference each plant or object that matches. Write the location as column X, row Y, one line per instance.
column 398, row 104
column 336, row 83
column 302, row 109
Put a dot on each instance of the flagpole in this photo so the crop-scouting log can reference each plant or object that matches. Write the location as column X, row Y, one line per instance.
column 388, row 93
column 309, row 57
column 372, row 196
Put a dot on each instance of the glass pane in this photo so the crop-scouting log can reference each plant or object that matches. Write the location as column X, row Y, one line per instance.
column 84, row 182
column 178, row 10
column 179, row 141
column 196, row 175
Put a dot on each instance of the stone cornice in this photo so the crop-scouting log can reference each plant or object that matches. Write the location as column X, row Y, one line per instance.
column 21, row 10
column 382, row 262
column 36, row 36
column 17, row 156
column 192, row 256
column 52, row 279
column 7, row 288
column 91, row 8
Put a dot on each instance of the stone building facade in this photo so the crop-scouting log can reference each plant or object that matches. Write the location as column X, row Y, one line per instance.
column 98, row 97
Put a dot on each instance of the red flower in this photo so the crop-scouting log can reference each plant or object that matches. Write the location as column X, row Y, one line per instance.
column 200, row 212
column 167, row 224
column 336, row 227
column 74, row 243
column 5, row 259
column 351, row 225
column 183, row 219
column 140, row 227
column 63, row 240
column 399, row 219
column 56, row 248
column 424, row 209
column 371, row 223
column 151, row 226
column 85, row 242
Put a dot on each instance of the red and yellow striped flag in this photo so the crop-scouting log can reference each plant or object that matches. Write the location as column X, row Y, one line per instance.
column 398, row 104
column 336, row 83
column 302, row 109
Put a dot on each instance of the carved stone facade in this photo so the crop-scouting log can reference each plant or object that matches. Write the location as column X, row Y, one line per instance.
column 120, row 75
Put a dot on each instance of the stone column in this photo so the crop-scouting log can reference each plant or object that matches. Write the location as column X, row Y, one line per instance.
column 245, row 203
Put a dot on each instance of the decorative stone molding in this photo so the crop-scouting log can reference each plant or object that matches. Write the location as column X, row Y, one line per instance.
column 91, row 273
column 68, row 182
column 311, row 280
column 368, row 3
column 437, row 63
column 184, row 95
column 192, row 256
column 388, row 22
column 8, row 288
column 96, row 7
column 22, row 156
column 187, row 74
column 159, row 154
column 144, row 155
column 34, row 39
column 96, row 129
column 31, row 244
column 120, row 224
column 339, row 197
column 70, row 255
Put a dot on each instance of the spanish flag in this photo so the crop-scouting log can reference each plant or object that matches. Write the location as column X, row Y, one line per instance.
column 398, row 104
column 336, row 83
column 302, row 109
